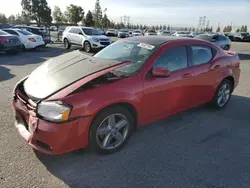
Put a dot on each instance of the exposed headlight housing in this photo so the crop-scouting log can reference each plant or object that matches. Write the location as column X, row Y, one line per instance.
column 95, row 39
column 54, row 111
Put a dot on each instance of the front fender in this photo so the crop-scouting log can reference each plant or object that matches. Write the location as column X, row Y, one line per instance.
column 100, row 103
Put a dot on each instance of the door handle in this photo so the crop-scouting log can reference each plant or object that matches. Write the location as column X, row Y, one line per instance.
column 186, row 75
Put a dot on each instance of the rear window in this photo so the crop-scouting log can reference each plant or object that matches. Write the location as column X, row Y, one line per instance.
column 3, row 33
column 24, row 32
column 201, row 54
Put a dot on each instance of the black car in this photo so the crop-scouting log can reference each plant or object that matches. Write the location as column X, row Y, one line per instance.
column 9, row 43
column 243, row 37
column 38, row 31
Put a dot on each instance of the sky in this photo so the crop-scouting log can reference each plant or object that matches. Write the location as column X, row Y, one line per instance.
column 153, row 12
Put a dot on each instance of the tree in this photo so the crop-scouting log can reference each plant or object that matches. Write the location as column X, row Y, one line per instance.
column 105, row 21
column 12, row 19
column 225, row 29
column 238, row 30
column 3, row 18
column 193, row 29
column 218, row 29
column 57, row 15
column 168, row 28
column 157, row 27
column 89, row 19
column 98, row 14
column 245, row 28
column 160, row 27
column 164, row 27
column 37, row 10
column 74, row 14
column 242, row 28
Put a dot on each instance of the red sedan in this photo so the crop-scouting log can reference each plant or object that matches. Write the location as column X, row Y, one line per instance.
column 75, row 100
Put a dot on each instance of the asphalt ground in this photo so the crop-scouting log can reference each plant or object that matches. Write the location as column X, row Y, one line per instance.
column 200, row 148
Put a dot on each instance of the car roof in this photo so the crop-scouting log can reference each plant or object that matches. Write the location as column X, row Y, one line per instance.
column 156, row 40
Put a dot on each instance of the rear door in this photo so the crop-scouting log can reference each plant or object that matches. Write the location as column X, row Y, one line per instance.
column 204, row 71
column 78, row 36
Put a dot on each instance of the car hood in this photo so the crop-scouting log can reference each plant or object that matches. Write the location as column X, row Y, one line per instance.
column 100, row 37
column 60, row 72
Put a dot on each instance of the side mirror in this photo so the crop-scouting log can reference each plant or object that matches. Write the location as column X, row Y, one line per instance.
column 160, row 72
column 80, row 34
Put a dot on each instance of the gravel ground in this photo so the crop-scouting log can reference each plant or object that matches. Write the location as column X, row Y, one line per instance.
column 200, row 148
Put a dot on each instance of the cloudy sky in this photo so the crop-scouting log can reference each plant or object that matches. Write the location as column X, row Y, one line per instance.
column 173, row 12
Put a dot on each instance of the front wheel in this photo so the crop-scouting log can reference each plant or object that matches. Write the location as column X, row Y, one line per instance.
column 223, row 94
column 111, row 129
column 87, row 47
column 66, row 43
column 227, row 47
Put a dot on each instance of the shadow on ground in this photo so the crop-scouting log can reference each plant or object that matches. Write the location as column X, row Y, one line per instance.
column 198, row 148
column 32, row 56
column 5, row 74
column 244, row 56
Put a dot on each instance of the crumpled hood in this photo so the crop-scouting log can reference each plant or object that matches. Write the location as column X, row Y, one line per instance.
column 62, row 71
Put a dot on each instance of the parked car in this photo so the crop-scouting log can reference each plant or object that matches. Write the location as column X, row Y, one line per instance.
column 130, row 83
column 123, row 33
column 2, row 26
column 111, row 32
column 100, row 31
column 242, row 36
column 9, row 43
column 218, row 39
column 181, row 33
column 137, row 33
column 150, row 32
column 164, row 33
column 230, row 36
column 194, row 34
column 37, row 31
column 86, row 37
column 28, row 39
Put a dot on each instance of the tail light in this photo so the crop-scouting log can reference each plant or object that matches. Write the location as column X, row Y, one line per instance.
column 32, row 39
column 4, row 40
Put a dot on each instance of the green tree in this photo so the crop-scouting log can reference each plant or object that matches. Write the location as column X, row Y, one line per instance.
column 105, row 21
column 12, row 19
column 89, row 19
column 153, row 27
column 225, row 29
column 168, row 28
column 98, row 14
column 157, row 27
column 218, row 29
column 37, row 10
column 246, row 28
column 3, row 19
column 238, row 30
column 242, row 29
column 57, row 15
column 74, row 14
column 164, row 27
column 160, row 27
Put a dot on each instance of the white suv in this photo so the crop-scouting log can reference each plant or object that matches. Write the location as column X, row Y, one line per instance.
column 87, row 37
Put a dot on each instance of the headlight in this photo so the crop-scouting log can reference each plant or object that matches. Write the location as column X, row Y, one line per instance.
column 95, row 39
column 54, row 111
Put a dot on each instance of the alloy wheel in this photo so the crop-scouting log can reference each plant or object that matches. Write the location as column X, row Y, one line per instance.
column 223, row 94
column 112, row 131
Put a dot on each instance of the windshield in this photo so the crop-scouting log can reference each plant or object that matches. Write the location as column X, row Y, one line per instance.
column 3, row 33
column 167, row 32
column 135, row 52
column 24, row 32
column 151, row 31
column 137, row 32
column 90, row 31
column 204, row 37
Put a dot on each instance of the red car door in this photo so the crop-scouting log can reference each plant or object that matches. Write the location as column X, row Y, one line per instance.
column 167, row 95
column 205, row 72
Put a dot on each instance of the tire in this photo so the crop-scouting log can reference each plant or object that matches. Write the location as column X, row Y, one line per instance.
column 227, row 47
column 97, row 135
column 87, row 47
column 218, row 103
column 66, row 43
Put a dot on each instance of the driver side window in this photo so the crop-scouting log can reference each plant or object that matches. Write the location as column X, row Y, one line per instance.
column 173, row 59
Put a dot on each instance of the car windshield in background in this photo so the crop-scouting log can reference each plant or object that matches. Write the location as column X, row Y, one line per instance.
column 3, row 33
column 151, row 31
column 204, row 37
column 91, row 31
column 24, row 32
column 135, row 52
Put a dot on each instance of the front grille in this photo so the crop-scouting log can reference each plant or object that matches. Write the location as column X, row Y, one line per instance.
column 105, row 43
column 104, row 40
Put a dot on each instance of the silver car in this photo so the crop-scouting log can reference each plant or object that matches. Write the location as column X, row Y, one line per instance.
column 164, row 33
column 87, row 37
column 218, row 39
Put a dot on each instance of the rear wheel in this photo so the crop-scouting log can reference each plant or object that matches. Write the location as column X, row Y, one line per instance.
column 66, row 43
column 223, row 94
column 227, row 47
column 111, row 129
